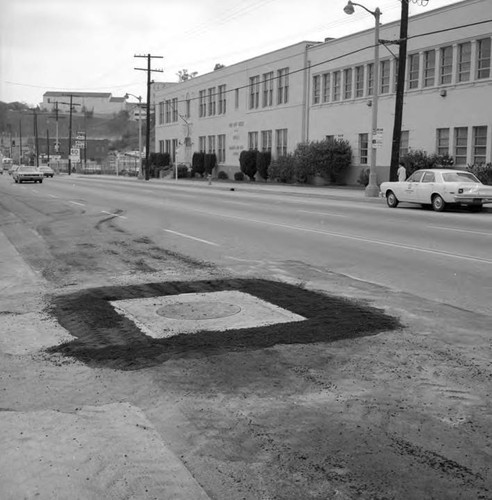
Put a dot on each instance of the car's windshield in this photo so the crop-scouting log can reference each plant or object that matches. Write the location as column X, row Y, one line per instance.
column 459, row 177
column 26, row 169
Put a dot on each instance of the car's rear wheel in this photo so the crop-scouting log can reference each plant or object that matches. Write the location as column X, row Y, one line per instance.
column 40, row 181
column 438, row 204
column 391, row 199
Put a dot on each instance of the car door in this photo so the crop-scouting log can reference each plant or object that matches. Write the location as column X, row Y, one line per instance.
column 425, row 188
column 409, row 187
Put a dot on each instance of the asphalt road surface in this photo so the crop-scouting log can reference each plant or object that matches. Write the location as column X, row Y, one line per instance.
column 444, row 257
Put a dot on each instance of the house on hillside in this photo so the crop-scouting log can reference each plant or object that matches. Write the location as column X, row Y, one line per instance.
column 318, row 90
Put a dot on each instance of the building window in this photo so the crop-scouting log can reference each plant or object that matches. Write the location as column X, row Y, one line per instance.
column 211, row 101
column 283, row 86
column 395, row 75
column 188, row 108
column 385, row 77
column 363, row 148
column 266, row 140
column 460, row 145
column 167, row 148
column 202, row 106
column 211, row 144
column 413, row 71
column 336, row 86
column 359, row 81
column 479, row 145
column 174, row 105
column 252, row 140
column 464, row 62
column 202, row 144
column 281, row 141
column 404, row 138
column 483, row 58
column 347, row 83
column 316, row 89
column 168, row 111
column 442, row 140
column 236, row 98
column 326, row 87
column 254, row 92
column 370, row 79
column 267, row 89
column 161, row 146
column 446, row 65
column 161, row 113
column 329, row 138
column 222, row 100
column 222, row 148
column 429, row 68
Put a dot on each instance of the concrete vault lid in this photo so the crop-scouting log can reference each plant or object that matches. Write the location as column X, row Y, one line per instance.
column 169, row 315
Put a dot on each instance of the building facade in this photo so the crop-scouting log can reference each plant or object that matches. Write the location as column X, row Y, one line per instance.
column 317, row 90
column 92, row 102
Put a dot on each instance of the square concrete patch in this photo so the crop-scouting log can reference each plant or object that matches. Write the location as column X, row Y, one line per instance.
column 169, row 315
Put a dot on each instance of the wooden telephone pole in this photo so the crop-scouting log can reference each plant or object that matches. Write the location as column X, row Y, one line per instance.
column 147, row 139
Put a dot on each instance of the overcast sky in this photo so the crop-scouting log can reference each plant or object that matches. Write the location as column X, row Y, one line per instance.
column 89, row 45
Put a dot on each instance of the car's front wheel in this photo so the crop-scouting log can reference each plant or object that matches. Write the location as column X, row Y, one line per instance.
column 391, row 199
column 438, row 204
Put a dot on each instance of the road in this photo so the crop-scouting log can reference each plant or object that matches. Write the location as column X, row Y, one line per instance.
column 444, row 257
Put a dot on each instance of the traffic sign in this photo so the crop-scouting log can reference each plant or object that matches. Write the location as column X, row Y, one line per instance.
column 80, row 144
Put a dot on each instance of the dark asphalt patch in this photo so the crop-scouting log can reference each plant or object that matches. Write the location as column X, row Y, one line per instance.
column 105, row 338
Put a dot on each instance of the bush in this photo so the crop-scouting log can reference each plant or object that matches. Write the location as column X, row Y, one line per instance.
column 182, row 171
column 417, row 159
column 238, row 176
column 263, row 160
column 209, row 162
column 247, row 161
column 198, row 164
column 222, row 175
column 283, row 168
column 483, row 171
column 363, row 179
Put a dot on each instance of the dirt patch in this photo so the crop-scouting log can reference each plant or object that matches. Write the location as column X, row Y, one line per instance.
column 107, row 338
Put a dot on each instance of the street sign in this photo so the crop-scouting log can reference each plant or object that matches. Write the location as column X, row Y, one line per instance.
column 74, row 151
column 80, row 144
column 377, row 139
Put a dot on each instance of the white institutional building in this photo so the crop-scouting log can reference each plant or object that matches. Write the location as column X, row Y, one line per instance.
column 314, row 90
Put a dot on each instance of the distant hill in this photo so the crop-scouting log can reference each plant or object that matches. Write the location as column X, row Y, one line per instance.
column 118, row 129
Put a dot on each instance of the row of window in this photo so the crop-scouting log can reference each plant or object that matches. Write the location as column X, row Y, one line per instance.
column 445, row 65
column 267, row 86
column 452, row 142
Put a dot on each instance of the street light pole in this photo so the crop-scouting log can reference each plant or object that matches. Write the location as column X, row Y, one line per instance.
column 372, row 189
column 140, row 173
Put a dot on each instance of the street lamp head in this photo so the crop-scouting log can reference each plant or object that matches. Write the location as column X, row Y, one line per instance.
column 349, row 8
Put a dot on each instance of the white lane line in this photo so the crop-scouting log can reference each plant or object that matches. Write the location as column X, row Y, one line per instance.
column 114, row 215
column 461, row 230
column 35, row 190
column 355, row 238
column 328, row 214
column 76, row 203
column 192, row 237
column 53, row 196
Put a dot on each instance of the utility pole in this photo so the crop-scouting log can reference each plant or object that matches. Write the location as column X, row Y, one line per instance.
column 147, row 139
column 20, row 142
column 71, row 104
column 36, row 138
column 400, row 91
column 48, row 144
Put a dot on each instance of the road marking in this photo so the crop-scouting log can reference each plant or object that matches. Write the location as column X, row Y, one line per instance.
column 35, row 190
column 461, row 230
column 76, row 203
column 192, row 237
column 114, row 215
column 356, row 238
column 53, row 196
column 328, row 214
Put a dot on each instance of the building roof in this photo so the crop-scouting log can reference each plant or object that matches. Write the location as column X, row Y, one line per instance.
column 76, row 94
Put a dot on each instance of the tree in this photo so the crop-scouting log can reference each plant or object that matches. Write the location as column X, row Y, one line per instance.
column 184, row 75
column 218, row 66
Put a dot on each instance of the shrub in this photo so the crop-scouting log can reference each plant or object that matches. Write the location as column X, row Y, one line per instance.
column 182, row 171
column 363, row 179
column 198, row 164
column 483, row 171
column 209, row 163
column 283, row 168
column 263, row 160
column 417, row 159
column 247, row 161
column 238, row 176
column 223, row 175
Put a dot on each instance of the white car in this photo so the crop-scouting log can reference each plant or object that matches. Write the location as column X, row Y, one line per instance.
column 438, row 187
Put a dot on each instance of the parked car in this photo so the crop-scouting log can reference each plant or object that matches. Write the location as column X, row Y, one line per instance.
column 25, row 173
column 46, row 171
column 438, row 188
column 12, row 169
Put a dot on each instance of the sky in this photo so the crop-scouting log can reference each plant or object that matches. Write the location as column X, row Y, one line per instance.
column 90, row 45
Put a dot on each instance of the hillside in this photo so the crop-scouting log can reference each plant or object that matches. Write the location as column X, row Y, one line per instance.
column 118, row 129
